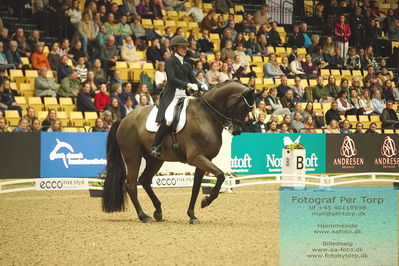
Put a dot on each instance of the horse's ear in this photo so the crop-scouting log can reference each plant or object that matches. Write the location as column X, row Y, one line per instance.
column 257, row 94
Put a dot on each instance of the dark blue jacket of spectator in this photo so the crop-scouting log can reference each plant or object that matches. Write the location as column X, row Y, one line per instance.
column 332, row 114
column 258, row 128
column 281, row 90
column 63, row 71
column 205, row 46
column 125, row 95
column 13, row 58
column 154, row 54
column 84, row 103
column 273, row 38
column 115, row 81
column 121, row 104
column 387, row 94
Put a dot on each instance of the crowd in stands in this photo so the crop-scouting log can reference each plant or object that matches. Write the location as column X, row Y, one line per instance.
column 312, row 71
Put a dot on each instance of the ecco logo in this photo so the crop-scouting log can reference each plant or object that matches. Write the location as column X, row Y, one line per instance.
column 166, row 182
column 241, row 162
column 388, row 148
column 348, row 148
column 51, row 184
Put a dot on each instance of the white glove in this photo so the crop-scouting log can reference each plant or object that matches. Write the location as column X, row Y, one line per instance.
column 204, row 87
column 192, row 86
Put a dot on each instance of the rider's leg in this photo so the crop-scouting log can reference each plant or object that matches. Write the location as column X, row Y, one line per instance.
column 163, row 130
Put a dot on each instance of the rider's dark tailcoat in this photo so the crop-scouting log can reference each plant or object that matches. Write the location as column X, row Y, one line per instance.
column 178, row 76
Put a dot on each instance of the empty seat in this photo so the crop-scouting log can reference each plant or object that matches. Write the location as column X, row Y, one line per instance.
column 51, row 103
column 36, row 103
column 12, row 117
column 76, row 119
column 66, row 104
column 90, row 118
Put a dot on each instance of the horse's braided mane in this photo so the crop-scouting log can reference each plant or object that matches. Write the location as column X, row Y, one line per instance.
column 220, row 85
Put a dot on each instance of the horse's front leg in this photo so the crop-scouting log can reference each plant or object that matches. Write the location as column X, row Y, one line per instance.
column 199, row 174
column 206, row 165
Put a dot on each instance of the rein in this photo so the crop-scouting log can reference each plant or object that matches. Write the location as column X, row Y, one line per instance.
column 226, row 121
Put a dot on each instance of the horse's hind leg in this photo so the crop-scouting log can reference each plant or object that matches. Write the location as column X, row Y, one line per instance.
column 151, row 168
column 199, row 174
column 133, row 167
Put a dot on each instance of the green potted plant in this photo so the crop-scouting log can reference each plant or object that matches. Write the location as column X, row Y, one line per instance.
column 97, row 192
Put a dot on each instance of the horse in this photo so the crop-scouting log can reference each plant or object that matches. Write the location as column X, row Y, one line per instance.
column 200, row 140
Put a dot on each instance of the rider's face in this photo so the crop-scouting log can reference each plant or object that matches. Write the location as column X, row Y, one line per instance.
column 181, row 50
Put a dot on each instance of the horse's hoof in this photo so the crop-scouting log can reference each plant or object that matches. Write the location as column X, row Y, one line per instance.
column 194, row 221
column 205, row 202
column 158, row 216
column 147, row 219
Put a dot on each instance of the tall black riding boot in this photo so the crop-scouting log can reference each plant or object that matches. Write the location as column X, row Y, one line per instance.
column 156, row 146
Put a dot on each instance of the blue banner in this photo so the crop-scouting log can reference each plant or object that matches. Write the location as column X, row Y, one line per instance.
column 261, row 153
column 72, row 154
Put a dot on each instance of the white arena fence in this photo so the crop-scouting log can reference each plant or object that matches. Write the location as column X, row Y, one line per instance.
column 181, row 181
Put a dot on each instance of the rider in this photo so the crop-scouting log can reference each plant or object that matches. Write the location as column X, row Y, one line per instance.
column 180, row 77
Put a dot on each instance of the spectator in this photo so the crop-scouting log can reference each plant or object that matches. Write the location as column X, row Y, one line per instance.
column 117, row 78
column 55, row 126
column 209, row 23
column 30, row 114
column 138, row 30
column 107, row 120
column 109, row 53
column 388, row 91
column 321, row 94
column 64, row 49
column 296, row 123
column 35, row 125
column 160, row 77
column 304, row 37
column 63, row 68
column 84, row 103
column 128, row 51
column 200, row 77
column 260, row 126
column 205, row 44
column 74, row 13
column 345, row 107
column 285, row 68
column 372, row 128
column 81, row 69
column 51, row 117
column 299, row 91
column 262, row 16
column 223, row 6
column 85, row 32
column 128, row 105
column 98, row 126
column 332, row 89
column 45, row 86
column 13, row 56
column 225, row 74
column 3, row 59
column 262, row 108
column 283, row 87
column 53, row 57
column 311, row 70
column 90, row 80
column 126, row 92
column 356, row 86
column 271, row 69
column 359, row 128
column 33, row 40
column 274, row 102
column 377, row 102
column 100, row 76
column 284, row 128
column 69, row 85
column 173, row 5
column 252, row 47
column 272, row 127
column 393, row 32
column 154, row 53
column 294, row 39
column 227, row 51
column 101, row 100
column 124, row 29
column 333, row 113
column 196, row 12
column 384, row 75
column 342, row 33
column 389, row 117
column 4, row 38
column 239, row 69
column 23, row 126
column 345, row 86
column 115, row 109
column 353, row 62
column 23, row 47
column 77, row 52
column 308, row 125
column 357, row 24
column 346, row 127
column 274, row 37
column 102, row 36
column 296, row 67
column 213, row 76
column 143, row 90
column 318, row 119
column 7, row 97
column 332, row 127
column 365, row 103
column 288, row 100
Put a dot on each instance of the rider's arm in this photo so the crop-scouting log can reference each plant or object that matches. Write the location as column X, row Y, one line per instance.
column 170, row 73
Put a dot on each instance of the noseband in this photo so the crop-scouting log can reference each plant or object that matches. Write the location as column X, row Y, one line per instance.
column 227, row 121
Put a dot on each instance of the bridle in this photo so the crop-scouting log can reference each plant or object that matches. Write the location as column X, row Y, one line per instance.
column 227, row 122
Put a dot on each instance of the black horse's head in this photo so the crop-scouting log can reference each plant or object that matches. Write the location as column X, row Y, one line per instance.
column 244, row 104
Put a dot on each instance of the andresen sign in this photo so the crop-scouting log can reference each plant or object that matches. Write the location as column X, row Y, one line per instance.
column 260, row 153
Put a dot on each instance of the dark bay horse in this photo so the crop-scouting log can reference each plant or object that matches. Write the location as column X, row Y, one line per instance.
column 200, row 140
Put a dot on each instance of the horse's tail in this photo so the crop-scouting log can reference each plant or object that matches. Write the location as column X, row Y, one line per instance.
column 114, row 194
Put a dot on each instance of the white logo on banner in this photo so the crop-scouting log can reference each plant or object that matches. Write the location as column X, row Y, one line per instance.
column 72, row 158
column 241, row 163
column 61, row 184
column 172, row 181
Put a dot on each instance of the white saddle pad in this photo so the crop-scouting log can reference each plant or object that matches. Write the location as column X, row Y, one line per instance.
column 152, row 126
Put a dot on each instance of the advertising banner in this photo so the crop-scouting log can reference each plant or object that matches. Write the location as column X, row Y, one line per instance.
column 260, row 153
column 362, row 153
column 62, row 184
column 72, row 154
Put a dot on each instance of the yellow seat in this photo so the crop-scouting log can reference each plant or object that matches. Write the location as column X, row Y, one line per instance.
column 17, row 76
column 51, row 103
column 42, row 115
column 351, row 118
column 135, row 70
column 270, row 49
column 12, row 116
column 363, row 118
column 123, row 68
column 239, row 8
column 335, row 72
column 21, row 101
column 149, row 69
column 214, row 36
column 268, row 81
column 346, row 73
column 35, row 103
column 66, row 104
column 170, row 23
column 76, row 119
column 31, row 75
column 317, row 107
column 324, row 73
column 90, row 118
column 172, row 14
column 70, row 129
column 25, row 61
column 290, row 82
column 302, row 51
column 375, row 118
column 244, row 80
column 207, row 6
column 146, row 22
column 312, row 83
column 304, row 83
column 258, row 61
column 63, row 117
column 281, row 51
